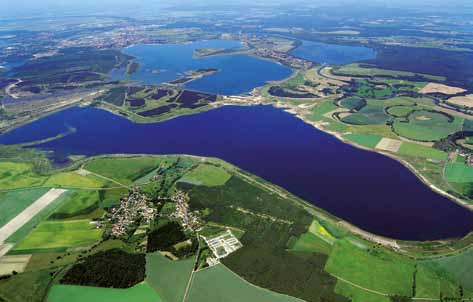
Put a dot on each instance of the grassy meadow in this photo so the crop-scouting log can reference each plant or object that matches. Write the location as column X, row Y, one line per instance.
column 61, row 234
column 206, row 175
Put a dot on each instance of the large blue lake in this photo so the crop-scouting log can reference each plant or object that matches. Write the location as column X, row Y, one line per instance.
column 239, row 73
column 372, row 191
column 332, row 54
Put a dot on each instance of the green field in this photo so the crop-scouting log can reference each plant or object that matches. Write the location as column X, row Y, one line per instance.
column 423, row 125
column 206, row 175
column 30, row 286
column 400, row 110
column 77, row 202
column 309, row 242
column 18, row 175
column 356, row 70
column 374, row 269
column 71, row 293
column 74, row 180
column 352, row 103
column 21, row 175
column 14, row 202
column 319, row 111
column 372, row 114
column 218, row 284
column 168, row 278
column 358, row 295
column 316, row 239
column 411, row 149
column 365, row 89
column 460, row 266
column 61, row 234
column 30, row 225
column 429, row 284
column 124, row 170
column 458, row 172
column 366, row 140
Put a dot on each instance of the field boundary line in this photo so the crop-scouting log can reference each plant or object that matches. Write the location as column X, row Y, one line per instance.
column 191, row 277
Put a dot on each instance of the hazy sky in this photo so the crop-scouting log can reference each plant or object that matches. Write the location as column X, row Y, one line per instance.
column 12, row 8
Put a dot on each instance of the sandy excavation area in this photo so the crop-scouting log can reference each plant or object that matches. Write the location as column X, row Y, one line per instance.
column 441, row 88
column 388, row 144
column 465, row 100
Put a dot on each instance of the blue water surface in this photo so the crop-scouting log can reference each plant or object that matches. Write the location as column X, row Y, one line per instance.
column 367, row 189
column 332, row 54
column 238, row 73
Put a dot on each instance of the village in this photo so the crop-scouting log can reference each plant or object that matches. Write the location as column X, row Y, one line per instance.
column 132, row 208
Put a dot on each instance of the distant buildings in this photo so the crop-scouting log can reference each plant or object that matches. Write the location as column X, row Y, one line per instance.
column 283, row 58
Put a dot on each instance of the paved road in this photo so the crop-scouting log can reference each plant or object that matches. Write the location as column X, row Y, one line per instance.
column 21, row 219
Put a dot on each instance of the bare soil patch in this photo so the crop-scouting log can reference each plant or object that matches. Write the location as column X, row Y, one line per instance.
column 466, row 100
column 16, row 263
column 441, row 88
column 388, row 144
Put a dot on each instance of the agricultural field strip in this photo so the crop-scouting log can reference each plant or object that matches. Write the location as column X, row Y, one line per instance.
column 26, row 215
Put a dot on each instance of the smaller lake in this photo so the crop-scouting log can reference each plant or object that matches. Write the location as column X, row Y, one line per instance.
column 238, row 73
column 332, row 54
